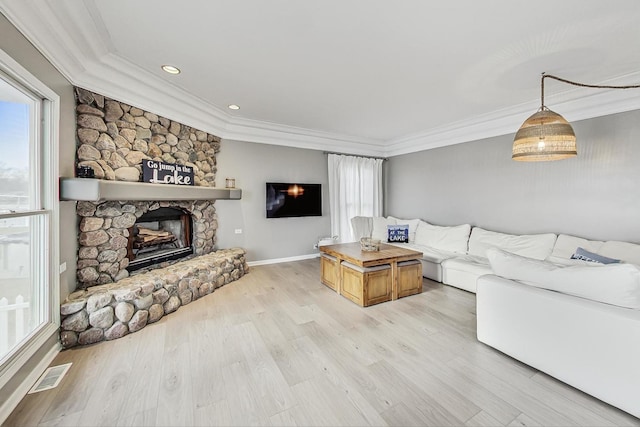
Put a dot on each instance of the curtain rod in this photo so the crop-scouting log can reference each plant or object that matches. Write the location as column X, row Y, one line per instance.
column 355, row 155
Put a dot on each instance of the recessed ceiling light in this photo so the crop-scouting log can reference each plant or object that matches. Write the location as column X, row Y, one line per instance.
column 171, row 69
column 234, row 107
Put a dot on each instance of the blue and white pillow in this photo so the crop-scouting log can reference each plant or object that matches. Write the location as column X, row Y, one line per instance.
column 585, row 255
column 398, row 233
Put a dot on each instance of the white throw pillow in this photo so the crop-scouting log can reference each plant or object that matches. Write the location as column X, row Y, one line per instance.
column 451, row 239
column 616, row 284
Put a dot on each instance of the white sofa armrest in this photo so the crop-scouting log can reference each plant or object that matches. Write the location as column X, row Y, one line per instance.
column 592, row 346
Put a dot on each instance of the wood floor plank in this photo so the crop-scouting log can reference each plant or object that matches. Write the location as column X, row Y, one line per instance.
column 270, row 386
column 65, row 420
column 345, row 378
column 524, row 420
column 291, row 362
column 107, row 395
column 317, row 398
column 245, row 406
column 143, row 385
column 142, row 418
column 429, row 407
column 512, row 394
column 277, row 347
column 215, row 414
column 402, row 415
column 291, row 417
column 482, row 419
column 581, row 414
column 614, row 415
column 175, row 394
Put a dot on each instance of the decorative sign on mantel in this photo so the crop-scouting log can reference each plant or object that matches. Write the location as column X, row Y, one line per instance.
column 166, row 173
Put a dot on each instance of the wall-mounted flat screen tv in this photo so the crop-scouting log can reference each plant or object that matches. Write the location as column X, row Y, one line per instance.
column 286, row 200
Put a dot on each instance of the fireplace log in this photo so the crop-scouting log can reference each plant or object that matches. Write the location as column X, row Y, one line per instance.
column 150, row 232
column 137, row 244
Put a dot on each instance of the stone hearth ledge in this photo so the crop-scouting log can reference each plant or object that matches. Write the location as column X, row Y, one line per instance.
column 111, row 311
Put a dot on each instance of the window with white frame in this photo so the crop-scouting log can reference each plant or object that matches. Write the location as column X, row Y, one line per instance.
column 28, row 213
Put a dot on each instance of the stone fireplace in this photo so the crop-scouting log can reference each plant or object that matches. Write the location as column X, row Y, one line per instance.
column 110, row 245
column 144, row 249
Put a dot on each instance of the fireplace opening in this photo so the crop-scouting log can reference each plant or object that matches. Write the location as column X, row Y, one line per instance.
column 164, row 234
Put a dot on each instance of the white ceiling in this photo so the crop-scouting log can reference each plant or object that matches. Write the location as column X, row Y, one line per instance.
column 361, row 76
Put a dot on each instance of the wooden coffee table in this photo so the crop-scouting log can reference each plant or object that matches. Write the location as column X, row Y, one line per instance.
column 364, row 288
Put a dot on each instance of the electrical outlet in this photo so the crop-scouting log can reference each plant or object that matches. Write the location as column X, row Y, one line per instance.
column 238, row 230
column 63, row 267
column 315, row 246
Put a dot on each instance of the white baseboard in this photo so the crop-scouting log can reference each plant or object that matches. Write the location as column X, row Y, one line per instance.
column 16, row 396
column 279, row 260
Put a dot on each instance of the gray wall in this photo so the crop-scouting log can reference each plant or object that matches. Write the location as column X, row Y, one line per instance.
column 19, row 48
column 594, row 195
column 252, row 165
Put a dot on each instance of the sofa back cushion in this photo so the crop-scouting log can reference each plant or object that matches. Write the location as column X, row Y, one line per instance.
column 567, row 245
column 624, row 251
column 537, row 246
column 451, row 239
column 616, row 284
column 380, row 227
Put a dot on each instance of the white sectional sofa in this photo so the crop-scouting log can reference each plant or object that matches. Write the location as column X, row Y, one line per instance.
column 578, row 322
column 575, row 320
column 455, row 255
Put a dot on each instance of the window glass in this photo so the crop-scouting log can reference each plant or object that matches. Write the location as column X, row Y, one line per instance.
column 23, row 228
column 16, row 133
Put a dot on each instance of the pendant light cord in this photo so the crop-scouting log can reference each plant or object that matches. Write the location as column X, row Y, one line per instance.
column 544, row 76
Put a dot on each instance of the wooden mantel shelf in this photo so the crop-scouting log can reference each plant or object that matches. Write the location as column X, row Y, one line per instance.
column 95, row 190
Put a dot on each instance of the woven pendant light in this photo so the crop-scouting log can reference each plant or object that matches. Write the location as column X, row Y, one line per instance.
column 545, row 136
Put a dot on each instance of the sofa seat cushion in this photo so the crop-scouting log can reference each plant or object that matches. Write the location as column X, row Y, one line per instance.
column 469, row 263
column 428, row 253
column 537, row 246
column 450, row 239
column 616, row 284
column 463, row 271
column 431, row 259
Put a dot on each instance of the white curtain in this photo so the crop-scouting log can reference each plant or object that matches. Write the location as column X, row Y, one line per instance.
column 355, row 189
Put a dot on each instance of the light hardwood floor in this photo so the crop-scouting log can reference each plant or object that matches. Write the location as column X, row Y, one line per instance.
column 279, row 348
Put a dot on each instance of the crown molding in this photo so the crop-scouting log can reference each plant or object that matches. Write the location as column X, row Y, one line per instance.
column 75, row 41
column 596, row 103
column 79, row 48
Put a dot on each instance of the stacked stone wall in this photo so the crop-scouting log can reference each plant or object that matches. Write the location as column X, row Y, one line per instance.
column 114, row 138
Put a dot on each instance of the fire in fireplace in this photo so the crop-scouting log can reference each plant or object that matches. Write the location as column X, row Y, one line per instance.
column 164, row 234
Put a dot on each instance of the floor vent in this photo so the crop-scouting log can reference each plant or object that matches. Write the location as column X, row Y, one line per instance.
column 50, row 378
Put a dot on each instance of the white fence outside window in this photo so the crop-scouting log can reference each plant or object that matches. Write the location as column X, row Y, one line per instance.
column 14, row 322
